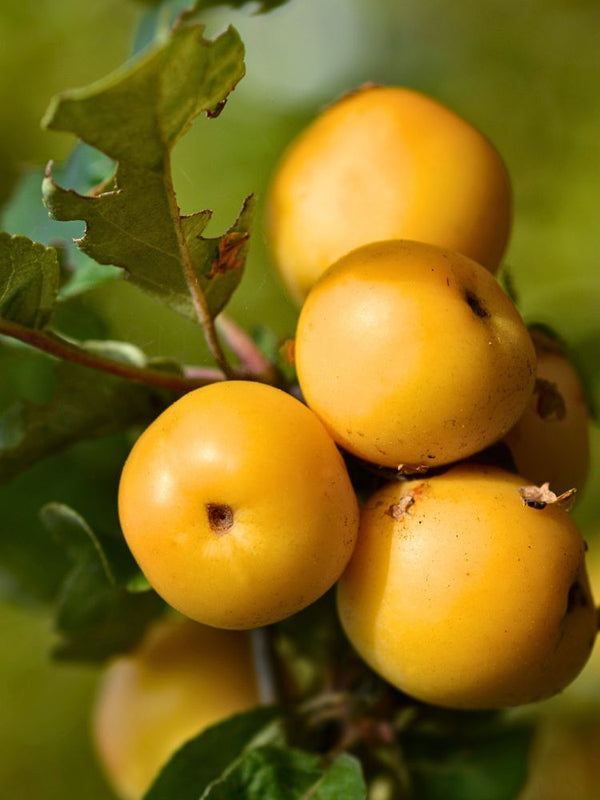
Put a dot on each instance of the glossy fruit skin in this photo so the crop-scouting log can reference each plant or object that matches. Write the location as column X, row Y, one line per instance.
column 413, row 355
column 469, row 600
column 386, row 163
column 551, row 441
column 181, row 679
column 237, row 505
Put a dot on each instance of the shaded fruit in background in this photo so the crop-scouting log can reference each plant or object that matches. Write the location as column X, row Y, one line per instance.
column 386, row 163
column 413, row 355
column 551, row 441
column 237, row 505
column 564, row 763
column 182, row 678
column 462, row 596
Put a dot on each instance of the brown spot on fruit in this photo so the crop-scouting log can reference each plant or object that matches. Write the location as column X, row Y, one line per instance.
column 476, row 305
column 220, row 517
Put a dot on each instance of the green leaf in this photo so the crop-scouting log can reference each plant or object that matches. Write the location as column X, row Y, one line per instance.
column 344, row 778
column 263, row 5
column 135, row 117
column 26, row 215
column 269, row 772
column 204, row 758
column 470, row 763
column 96, row 616
column 29, row 278
column 85, row 404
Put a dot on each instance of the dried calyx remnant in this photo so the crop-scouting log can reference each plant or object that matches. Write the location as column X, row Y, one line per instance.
column 541, row 496
column 220, row 517
column 399, row 509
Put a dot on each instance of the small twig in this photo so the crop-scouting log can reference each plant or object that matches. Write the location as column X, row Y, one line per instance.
column 252, row 361
column 68, row 350
column 266, row 677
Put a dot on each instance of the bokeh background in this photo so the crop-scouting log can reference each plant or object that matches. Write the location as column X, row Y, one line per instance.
column 525, row 72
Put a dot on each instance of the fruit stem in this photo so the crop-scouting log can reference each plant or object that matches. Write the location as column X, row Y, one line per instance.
column 264, row 666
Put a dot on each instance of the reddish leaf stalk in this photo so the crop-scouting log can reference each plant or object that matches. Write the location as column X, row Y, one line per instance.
column 67, row 350
column 252, row 360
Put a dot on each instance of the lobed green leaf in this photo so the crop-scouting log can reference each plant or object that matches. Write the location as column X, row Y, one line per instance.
column 135, row 117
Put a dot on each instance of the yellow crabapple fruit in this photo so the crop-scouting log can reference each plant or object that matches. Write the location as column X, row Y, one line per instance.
column 237, row 505
column 462, row 596
column 386, row 162
column 413, row 355
column 182, row 678
column 551, row 441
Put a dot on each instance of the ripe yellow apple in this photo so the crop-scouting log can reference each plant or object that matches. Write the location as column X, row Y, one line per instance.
column 462, row 596
column 551, row 441
column 182, row 678
column 237, row 505
column 386, row 163
column 413, row 355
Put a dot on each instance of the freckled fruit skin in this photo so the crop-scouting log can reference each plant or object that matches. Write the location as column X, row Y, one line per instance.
column 413, row 355
column 386, row 163
column 183, row 678
column 237, row 505
column 470, row 600
column 551, row 441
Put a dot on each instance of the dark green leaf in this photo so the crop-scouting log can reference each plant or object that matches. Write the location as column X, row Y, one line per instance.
column 135, row 117
column 29, row 278
column 344, row 778
column 203, row 759
column 488, row 761
column 268, row 773
column 85, row 404
column 96, row 617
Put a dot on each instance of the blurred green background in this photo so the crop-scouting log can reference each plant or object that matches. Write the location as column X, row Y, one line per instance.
column 524, row 71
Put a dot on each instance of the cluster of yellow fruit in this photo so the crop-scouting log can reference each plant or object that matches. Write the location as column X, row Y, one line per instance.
column 388, row 217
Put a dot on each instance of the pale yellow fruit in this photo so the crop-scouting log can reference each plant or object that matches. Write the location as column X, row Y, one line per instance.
column 386, row 163
column 237, row 505
column 413, row 355
column 551, row 441
column 182, row 678
column 462, row 596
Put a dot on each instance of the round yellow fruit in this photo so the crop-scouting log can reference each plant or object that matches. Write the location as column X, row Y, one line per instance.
column 237, row 505
column 413, row 355
column 386, row 163
column 551, row 441
column 462, row 596
column 182, row 678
